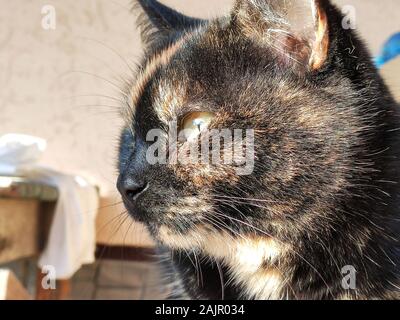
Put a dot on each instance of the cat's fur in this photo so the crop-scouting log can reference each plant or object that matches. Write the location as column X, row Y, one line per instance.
column 325, row 190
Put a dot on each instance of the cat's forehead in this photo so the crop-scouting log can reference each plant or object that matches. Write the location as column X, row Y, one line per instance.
column 206, row 68
column 149, row 69
column 158, row 79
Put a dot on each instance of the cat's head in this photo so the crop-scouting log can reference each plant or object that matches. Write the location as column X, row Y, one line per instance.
column 275, row 71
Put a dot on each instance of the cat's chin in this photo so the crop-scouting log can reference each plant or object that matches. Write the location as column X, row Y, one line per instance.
column 189, row 240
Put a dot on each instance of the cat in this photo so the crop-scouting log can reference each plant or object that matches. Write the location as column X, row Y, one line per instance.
column 318, row 216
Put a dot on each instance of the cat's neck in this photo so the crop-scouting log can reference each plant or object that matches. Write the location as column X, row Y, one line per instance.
column 250, row 264
column 319, row 268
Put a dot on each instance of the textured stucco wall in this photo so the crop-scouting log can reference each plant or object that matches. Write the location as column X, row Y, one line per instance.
column 44, row 73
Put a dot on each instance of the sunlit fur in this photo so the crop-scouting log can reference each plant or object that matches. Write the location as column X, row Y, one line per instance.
column 325, row 188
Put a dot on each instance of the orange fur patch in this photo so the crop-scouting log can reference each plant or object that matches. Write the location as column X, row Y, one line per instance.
column 160, row 59
column 321, row 46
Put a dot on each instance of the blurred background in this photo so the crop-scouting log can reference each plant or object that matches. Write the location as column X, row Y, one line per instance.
column 62, row 84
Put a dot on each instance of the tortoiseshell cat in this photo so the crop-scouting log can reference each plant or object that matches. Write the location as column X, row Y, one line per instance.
column 323, row 196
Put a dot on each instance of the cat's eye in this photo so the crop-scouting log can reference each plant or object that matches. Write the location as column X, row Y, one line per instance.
column 193, row 124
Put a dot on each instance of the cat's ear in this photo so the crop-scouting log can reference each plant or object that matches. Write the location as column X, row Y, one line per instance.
column 296, row 29
column 157, row 21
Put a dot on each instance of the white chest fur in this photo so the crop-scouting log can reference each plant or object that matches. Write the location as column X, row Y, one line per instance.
column 248, row 261
column 247, row 258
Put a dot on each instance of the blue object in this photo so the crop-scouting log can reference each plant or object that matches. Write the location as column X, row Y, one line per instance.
column 390, row 50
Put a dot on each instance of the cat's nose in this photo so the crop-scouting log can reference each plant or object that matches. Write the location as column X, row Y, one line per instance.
column 130, row 188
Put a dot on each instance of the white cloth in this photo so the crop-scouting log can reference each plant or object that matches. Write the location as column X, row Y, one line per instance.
column 72, row 238
column 19, row 152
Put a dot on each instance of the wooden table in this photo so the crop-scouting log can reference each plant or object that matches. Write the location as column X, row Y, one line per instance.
column 26, row 212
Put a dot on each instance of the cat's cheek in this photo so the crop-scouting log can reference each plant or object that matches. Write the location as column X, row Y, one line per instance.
column 207, row 175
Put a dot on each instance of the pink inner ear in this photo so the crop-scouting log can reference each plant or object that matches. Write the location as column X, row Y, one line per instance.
column 296, row 29
column 292, row 51
column 307, row 41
